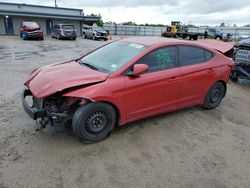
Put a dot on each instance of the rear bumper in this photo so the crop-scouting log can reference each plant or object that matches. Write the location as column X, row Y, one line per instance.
column 73, row 35
column 32, row 112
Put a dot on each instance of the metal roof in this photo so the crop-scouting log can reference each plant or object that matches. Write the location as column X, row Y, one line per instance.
column 78, row 15
column 39, row 6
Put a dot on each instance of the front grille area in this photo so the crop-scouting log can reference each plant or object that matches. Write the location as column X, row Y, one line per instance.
column 242, row 56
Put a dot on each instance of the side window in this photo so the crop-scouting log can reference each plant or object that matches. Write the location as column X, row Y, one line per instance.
column 160, row 59
column 190, row 55
column 208, row 55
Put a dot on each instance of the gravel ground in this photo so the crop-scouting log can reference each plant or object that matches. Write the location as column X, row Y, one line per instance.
column 188, row 148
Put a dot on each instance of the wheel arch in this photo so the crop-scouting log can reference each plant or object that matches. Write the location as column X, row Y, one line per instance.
column 225, row 86
column 118, row 113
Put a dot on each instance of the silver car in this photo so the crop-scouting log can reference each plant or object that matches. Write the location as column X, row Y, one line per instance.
column 94, row 32
column 64, row 31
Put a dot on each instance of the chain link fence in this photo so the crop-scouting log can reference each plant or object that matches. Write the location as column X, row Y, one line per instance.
column 134, row 30
column 157, row 31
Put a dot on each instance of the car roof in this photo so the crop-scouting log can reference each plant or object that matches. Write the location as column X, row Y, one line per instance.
column 151, row 41
column 204, row 43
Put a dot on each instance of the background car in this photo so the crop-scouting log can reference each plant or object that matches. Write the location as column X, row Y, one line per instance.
column 241, row 35
column 94, row 32
column 30, row 30
column 242, row 60
column 64, row 31
column 128, row 80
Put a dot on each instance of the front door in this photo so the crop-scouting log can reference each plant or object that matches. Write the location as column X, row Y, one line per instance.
column 157, row 90
column 49, row 26
column 8, row 25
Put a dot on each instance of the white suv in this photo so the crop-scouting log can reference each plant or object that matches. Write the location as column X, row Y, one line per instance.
column 94, row 32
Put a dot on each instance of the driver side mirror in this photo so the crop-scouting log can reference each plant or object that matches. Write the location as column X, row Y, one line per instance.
column 138, row 69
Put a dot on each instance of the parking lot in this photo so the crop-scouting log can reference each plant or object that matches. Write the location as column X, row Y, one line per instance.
column 187, row 148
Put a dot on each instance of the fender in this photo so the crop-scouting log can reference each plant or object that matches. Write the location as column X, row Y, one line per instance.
column 104, row 92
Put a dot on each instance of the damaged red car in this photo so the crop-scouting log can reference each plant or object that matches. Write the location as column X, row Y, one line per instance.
column 128, row 80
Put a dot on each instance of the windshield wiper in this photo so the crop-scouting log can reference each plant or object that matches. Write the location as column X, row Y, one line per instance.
column 86, row 64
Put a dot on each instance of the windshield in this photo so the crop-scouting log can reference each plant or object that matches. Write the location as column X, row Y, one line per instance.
column 30, row 24
column 68, row 27
column 112, row 57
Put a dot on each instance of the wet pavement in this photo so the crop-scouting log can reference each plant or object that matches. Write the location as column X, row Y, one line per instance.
column 187, row 148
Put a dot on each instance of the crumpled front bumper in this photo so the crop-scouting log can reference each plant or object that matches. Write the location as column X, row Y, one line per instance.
column 32, row 112
column 40, row 113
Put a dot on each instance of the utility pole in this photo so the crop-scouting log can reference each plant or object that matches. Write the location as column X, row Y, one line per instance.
column 55, row 4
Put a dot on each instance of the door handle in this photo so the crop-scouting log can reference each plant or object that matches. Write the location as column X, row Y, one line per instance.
column 210, row 71
column 173, row 79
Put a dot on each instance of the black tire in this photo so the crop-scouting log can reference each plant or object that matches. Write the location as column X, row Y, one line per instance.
column 93, row 122
column 214, row 96
column 105, row 39
column 234, row 76
column 218, row 38
column 74, row 38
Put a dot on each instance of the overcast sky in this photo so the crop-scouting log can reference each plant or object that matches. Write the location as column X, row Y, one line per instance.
column 210, row 12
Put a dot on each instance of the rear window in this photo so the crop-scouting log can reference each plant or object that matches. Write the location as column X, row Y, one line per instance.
column 208, row 55
column 68, row 27
column 190, row 55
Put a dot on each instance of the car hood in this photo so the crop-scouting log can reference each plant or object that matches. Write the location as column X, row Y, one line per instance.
column 220, row 46
column 54, row 78
column 32, row 28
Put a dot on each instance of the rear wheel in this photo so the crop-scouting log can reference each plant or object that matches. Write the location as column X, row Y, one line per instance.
column 214, row 96
column 93, row 122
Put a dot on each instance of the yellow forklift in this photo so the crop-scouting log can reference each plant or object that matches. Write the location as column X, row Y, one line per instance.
column 178, row 30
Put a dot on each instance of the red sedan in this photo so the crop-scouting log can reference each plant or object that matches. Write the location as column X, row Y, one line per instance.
column 128, row 80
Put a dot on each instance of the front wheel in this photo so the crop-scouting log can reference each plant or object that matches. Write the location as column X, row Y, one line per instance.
column 93, row 122
column 218, row 38
column 214, row 96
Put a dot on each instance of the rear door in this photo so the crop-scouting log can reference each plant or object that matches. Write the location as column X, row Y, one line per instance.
column 197, row 74
column 158, row 89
